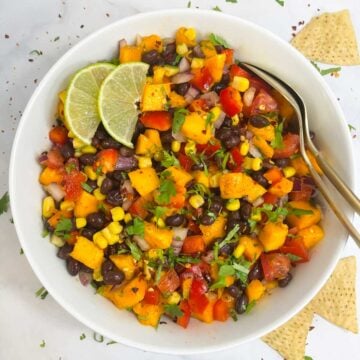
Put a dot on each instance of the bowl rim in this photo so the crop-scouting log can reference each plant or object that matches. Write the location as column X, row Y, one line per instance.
column 57, row 294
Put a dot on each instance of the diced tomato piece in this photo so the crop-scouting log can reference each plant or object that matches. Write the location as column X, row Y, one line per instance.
column 270, row 198
column 71, row 240
column 106, row 160
column 58, row 135
column 263, row 103
column 296, row 246
column 229, row 53
column 193, row 227
column 208, row 149
column 197, row 298
column 273, row 175
column 159, row 120
column 193, row 244
column 72, row 184
column 185, row 318
column 169, row 282
column 259, row 84
column 202, row 79
column 235, row 160
column 275, row 265
column 236, row 70
column 185, row 161
column 291, row 144
column 221, row 310
column 152, row 296
column 54, row 159
column 137, row 208
column 230, row 100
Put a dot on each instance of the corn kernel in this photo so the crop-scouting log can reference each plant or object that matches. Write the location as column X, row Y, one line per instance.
column 247, row 164
column 175, row 146
column 114, row 239
column 256, row 164
column 239, row 250
column 57, row 241
column 144, row 162
column 196, row 201
column 67, row 205
column 214, row 180
column 48, row 207
column 97, row 276
column 244, row 148
column 256, row 216
column 233, row 204
column 117, row 213
column 115, row 227
column 240, row 83
column 197, row 63
column 153, row 254
column 98, row 195
column 146, row 270
column 289, row 171
column 127, row 218
column 174, row 298
column 100, row 240
column 160, row 223
column 190, row 148
column 89, row 171
column 235, row 120
column 80, row 223
column 190, row 33
column 88, row 149
column 182, row 49
column 78, row 144
column 100, row 180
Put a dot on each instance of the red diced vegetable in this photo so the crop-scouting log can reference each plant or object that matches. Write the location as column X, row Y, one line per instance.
column 275, row 266
column 159, row 120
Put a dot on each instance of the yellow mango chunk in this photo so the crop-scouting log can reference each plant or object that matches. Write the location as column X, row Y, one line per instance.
column 125, row 263
column 213, row 231
column 87, row 253
column 263, row 146
column 267, row 132
column 157, row 238
column 154, row 97
column 176, row 100
column 144, row 180
column 273, row 235
column 151, row 42
column 207, row 315
column 303, row 221
column 282, row 187
column 49, row 175
column 148, row 314
column 255, row 290
column 311, row 235
column 85, row 205
column 252, row 247
column 180, row 176
column 130, row 53
column 196, row 129
column 201, row 178
column 185, row 36
column 215, row 65
column 238, row 185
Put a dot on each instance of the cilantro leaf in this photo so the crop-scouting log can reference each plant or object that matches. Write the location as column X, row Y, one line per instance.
column 280, row 2
column 233, row 314
column 226, row 270
column 134, row 249
column 189, row 4
column 98, row 337
column 278, row 143
column 87, row 187
column 216, row 8
column 137, row 228
column 63, row 228
column 232, row 1
column 179, row 118
column 209, row 118
column 173, row 310
column 351, row 127
column 166, row 191
column 299, row 212
column 42, row 293
column 82, row 336
column 4, row 203
column 218, row 40
column 42, row 345
column 168, row 159
column 250, row 306
column 229, row 237
column 306, row 357
column 293, row 258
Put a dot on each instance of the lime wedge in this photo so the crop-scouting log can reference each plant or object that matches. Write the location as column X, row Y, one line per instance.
column 118, row 96
column 81, row 103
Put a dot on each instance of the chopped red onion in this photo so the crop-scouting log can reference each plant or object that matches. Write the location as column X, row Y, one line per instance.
column 197, row 52
column 219, row 121
column 128, row 191
column 191, row 94
column 126, row 163
column 253, row 151
column 55, row 191
column 178, row 239
column 179, row 137
column 184, row 65
column 283, row 200
column 259, row 201
column 85, row 278
column 249, row 135
column 122, row 43
column 143, row 245
column 248, row 96
column 181, row 78
column 211, row 98
column 208, row 257
column 297, row 184
column 43, row 158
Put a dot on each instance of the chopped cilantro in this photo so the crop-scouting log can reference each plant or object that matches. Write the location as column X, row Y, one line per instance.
column 82, row 336
column 183, row 259
column 293, row 258
column 42, row 345
column 137, row 228
column 21, row 251
column 45, row 233
column 4, row 203
column 158, row 274
column 280, row 2
column 189, row 4
column 87, row 187
column 216, row 8
column 63, row 228
column 250, row 306
column 209, row 119
column 218, row 40
column 179, row 118
column 351, row 127
column 98, row 338
column 36, row 52
column 169, row 159
column 134, row 249
column 306, row 357
column 166, row 189
column 274, row 214
column 173, row 310
column 177, row 60
column 230, row 236
column 324, row 72
column 232, row 1
column 98, row 170
column 233, row 314
column 299, row 212
column 111, row 342
column 70, row 167
column 57, row 38
column 278, row 143
column 42, row 293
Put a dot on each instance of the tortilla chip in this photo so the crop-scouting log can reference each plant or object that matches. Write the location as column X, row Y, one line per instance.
column 336, row 302
column 290, row 339
column 329, row 38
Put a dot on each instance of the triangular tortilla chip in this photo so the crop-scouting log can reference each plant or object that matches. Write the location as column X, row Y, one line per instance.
column 336, row 302
column 290, row 339
column 329, row 38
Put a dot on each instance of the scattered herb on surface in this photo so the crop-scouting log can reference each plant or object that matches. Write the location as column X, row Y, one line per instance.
column 280, row 2
column 21, row 251
column 111, row 342
column 4, row 203
column 216, row 8
column 42, row 293
column 42, row 344
column 82, row 336
column 36, row 52
column 98, row 338
column 324, row 72
column 189, row 4
column 218, row 40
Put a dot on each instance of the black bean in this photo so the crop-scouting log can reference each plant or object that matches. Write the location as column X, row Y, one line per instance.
column 256, row 273
column 64, row 251
column 259, row 121
column 113, row 277
column 241, row 285
column 241, row 303
column 157, row 166
column 190, row 185
column 198, row 166
column 234, row 215
column 282, row 162
column 126, row 152
column 91, row 183
column 106, row 186
column 96, row 142
column 223, row 133
column 111, row 250
column 175, row 220
column 96, row 220
column 88, row 232
column 67, row 150
column 245, row 211
column 234, row 291
column 260, row 179
column 107, row 266
column 114, row 197
column 152, row 57
column 87, row 159
column 285, row 281
column 227, row 122
column 166, row 137
column 101, row 133
column 73, row 266
column 216, row 205
column 207, row 219
column 182, row 89
column 227, row 249
column 231, row 141
column 110, row 143
column 139, row 128
column 219, row 48
column 207, row 277
column 244, row 228
column 222, row 84
column 86, row 269
column 116, row 175
column 169, row 53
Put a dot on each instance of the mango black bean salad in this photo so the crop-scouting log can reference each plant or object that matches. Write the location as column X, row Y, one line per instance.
column 200, row 205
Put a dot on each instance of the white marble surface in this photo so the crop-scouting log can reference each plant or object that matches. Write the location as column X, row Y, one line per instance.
column 52, row 27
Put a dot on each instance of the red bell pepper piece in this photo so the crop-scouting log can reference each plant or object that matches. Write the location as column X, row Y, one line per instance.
column 58, row 135
column 270, row 198
column 291, row 144
column 159, row 120
column 296, row 246
column 273, row 175
column 208, row 149
column 169, row 282
column 202, row 79
column 137, row 208
column 152, row 296
column 221, row 310
column 197, row 298
column 275, row 265
column 230, row 100
column 229, row 53
column 235, row 160
column 185, row 318
column 193, row 244
column 185, row 161
column 106, row 160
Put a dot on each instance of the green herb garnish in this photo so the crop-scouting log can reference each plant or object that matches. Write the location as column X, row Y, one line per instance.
column 168, row 159
column 134, row 249
column 70, row 167
column 87, row 187
column 166, row 189
column 82, row 336
column 216, row 8
column 42, row 293
column 137, row 228
column 278, row 143
column 98, row 338
column 250, row 306
column 280, row 2
column 325, row 71
column 173, row 310
column 42, row 345
column 218, row 40
column 111, row 342
column 179, row 119
column 4, row 203
column 63, row 228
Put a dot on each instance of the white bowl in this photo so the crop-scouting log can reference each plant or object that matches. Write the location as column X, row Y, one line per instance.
column 253, row 44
